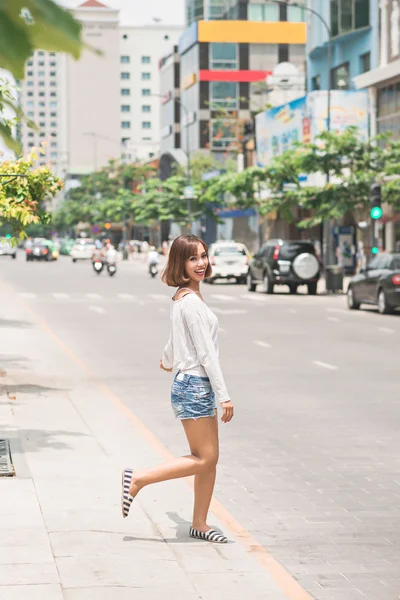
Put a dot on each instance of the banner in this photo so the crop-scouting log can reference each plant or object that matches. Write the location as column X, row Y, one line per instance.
column 303, row 119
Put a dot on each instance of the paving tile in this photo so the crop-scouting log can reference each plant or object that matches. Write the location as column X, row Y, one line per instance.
column 31, row 592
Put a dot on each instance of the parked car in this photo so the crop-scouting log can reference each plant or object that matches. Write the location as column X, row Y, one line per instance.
column 7, row 250
column 229, row 260
column 38, row 251
column 284, row 262
column 378, row 283
column 53, row 250
column 82, row 249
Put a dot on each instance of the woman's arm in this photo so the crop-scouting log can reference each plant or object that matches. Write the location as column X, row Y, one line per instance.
column 167, row 361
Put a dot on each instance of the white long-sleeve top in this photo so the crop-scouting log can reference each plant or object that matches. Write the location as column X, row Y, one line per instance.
column 192, row 347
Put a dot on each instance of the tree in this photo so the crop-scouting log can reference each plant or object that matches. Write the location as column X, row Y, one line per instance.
column 24, row 26
column 24, row 192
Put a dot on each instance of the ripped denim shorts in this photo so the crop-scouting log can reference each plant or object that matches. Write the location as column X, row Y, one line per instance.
column 192, row 397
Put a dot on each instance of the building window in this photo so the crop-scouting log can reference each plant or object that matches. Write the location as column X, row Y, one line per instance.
column 41, row 94
column 29, row 63
column 42, row 124
column 42, row 134
column 41, row 63
column 41, row 53
column 41, row 73
column 146, row 139
column 53, row 73
column 42, row 114
column 42, row 104
column 223, row 94
column 30, row 83
column 30, row 93
column 30, row 104
column 126, row 124
column 347, row 15
column 340, row 77
column 41, row 83
column 53, row 144
column 146, row 92
column 30, row 113
column 125, row 92
column 296, row 14
column 53, row 63
column 146, row 76
column 146, row 60
column 223, row 133
column 29, row 73
column 223, row 56
column 53, row 134
column 125, row 60
column 52, row 94
column 53, row 104
column 53, row 83
column 166, row 37
column 53, row 154
column 365, row 62
column 53, row 114
column 30, row 145
column 125, row 75
column 125, row 37
column 125, row 108
column 261, row 12
column 53, row 124
column 146, row 108
column 151, row 154
column 31, row 134
column 316, row 83
column 146, row 125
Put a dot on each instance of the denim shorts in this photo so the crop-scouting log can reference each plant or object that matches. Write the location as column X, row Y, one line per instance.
column 192, row 397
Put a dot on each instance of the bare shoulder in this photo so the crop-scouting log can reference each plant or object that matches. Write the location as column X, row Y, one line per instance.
column 182, row 293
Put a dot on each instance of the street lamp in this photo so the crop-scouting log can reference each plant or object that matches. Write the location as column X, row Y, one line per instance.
column 327, row 224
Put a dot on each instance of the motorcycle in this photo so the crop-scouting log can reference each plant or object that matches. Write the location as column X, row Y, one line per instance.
column 112, row 269
column 153, row 269
column 98, row 266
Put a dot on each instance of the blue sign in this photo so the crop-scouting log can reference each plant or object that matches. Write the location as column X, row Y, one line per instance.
column 188, row 38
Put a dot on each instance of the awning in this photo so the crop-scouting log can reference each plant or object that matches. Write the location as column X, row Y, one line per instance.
column 378, row 75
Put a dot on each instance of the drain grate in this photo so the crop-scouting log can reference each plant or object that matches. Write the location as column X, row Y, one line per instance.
column 6, row 466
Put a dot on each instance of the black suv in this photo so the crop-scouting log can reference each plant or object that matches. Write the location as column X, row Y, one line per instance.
column 280, row 262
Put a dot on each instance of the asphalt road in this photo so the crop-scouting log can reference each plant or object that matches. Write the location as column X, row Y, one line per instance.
column 311, row 463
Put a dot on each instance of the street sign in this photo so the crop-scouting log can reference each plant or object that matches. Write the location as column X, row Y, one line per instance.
column 188, row 192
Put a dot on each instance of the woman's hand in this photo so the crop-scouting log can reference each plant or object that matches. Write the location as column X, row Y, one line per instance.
column 228, row 410
column 164, row 368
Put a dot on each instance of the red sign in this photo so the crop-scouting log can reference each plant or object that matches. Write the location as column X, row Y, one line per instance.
column 237, row 76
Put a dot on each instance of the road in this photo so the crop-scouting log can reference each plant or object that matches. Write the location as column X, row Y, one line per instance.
column 311, row 464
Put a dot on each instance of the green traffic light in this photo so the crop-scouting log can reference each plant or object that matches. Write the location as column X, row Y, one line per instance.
column 375, row 250
column 376, row 212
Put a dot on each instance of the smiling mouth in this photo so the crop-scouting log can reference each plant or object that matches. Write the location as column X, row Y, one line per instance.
column 200, row 272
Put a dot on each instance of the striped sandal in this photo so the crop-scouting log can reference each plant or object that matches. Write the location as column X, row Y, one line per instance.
column 208, row 536
column 126, row 498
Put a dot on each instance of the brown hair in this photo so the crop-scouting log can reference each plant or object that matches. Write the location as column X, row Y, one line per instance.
column 181, row 250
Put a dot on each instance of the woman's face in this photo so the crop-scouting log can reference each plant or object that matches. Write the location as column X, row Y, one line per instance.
column 197, row 264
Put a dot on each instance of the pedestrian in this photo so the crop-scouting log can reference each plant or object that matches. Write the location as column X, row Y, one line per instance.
column 192, row 351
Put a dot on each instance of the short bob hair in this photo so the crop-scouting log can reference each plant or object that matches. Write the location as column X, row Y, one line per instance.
column 182, row 249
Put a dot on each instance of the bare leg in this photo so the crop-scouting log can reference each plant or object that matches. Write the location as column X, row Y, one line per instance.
column 205, row 480
column 202, row 435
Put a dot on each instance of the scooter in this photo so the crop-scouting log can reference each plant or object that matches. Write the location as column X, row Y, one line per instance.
column 98, row 266
column 112, row 269
column 153, row 269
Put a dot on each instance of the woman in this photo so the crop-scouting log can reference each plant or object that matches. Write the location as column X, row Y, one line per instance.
column 192, row 350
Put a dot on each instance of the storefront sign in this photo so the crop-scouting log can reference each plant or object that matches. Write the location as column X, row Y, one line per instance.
column 166, row 131
column 188, row 81
column 166, row 97
column 188, row 119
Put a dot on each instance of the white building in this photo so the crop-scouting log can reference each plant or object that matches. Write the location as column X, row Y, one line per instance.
column 141, row 50
column 103, row 106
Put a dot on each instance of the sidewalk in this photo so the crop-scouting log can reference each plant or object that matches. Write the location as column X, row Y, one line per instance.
column 62, row 534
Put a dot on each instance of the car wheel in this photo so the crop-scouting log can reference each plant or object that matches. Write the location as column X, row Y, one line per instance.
column 293, row 288
column 351, row 301
column 312, row 288
column 383, row 307
column 27, row 259
column 268, row 285
column 74, row 260
column 251, row 286
column 13, row 256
